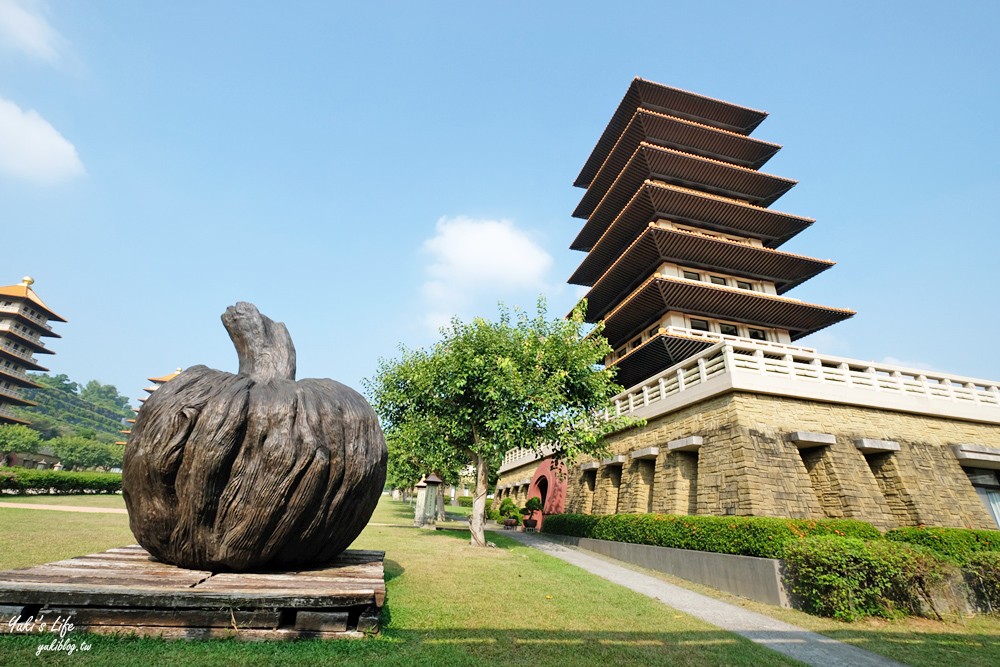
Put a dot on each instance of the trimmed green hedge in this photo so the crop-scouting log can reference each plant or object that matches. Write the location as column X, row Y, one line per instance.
column 848, row 578
column 765, row 537
column 24, row 480
column 956, row 544
column 465, row 501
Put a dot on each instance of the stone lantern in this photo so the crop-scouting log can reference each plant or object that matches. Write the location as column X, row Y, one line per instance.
column 426, row 505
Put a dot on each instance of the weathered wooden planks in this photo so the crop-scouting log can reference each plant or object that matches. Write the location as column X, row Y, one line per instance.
column 125, row 590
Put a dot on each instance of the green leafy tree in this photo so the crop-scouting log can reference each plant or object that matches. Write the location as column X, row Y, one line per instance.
column 488, row 387
column 59, row 382
column 78, row 452
column 17, row 438
column 104, row 395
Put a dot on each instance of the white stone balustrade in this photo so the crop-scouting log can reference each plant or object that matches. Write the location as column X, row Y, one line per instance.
column 757, row 367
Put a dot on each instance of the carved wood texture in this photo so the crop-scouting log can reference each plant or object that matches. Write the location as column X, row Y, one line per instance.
column 255, row 470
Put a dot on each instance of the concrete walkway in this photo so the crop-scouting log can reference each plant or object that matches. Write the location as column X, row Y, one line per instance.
column 791, row 640
column 64, row 508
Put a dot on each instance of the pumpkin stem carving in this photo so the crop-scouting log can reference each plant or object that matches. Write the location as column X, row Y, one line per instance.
column 264, row 346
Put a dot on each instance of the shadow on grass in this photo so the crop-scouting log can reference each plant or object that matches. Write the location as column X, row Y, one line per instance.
column 462, row 534
column 392, row 569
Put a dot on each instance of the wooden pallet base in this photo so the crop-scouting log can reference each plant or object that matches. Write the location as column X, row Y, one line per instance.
column 124, row 591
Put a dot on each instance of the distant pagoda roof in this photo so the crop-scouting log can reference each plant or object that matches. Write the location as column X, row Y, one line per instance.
column 675, row 102
column 24, row 340
column 8, row 396
column 660, row 294
column 23, row 291
column 657, row 245
column 12, row 355
column 606, row 237
column 657, row 354
column 649, row 161
column 7, row 418
column 166, row 378
column 7, row 374
column 691, row 137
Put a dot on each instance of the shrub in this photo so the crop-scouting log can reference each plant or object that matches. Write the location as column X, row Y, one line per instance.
column 983, row 576
column 743, row 535
column 508, row 510
column 956, row 544
column 24, row 480
column 849, row 578
column 531, row 506
column 465, row 501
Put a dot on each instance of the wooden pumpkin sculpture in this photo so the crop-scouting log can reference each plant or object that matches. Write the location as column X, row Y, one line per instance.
column 255, row 470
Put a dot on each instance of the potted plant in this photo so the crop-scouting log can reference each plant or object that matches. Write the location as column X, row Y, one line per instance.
column 508, row 514
column 533, row 505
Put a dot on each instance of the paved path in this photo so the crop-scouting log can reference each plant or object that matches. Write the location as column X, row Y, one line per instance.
column 791, row 640
column 64, row 508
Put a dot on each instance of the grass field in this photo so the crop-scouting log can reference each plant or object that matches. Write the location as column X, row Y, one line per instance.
column 114, row 500
column 452, row 604
column 29, row 537
column 448, row 604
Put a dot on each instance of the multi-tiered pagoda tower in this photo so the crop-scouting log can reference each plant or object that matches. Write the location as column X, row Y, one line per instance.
column 680, row 242
column 683, row 269
column 24, row 321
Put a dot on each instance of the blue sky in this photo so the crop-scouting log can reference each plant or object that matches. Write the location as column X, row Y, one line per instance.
column 361, row 171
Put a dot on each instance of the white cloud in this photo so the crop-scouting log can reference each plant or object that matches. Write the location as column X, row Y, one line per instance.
column 23, row 27
column 478, row 258
column 32, row 150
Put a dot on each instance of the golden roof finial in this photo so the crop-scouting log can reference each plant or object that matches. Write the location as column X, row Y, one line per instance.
column 27, row 281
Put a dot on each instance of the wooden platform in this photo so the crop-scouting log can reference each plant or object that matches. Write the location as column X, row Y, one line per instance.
column 124, row 591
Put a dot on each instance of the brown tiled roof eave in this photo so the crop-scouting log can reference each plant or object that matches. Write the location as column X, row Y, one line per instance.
column 673, row 101
column 654, row 200
column 12, row 400
column 17, row 379
column 652, row 162
column 689, row 137
column 31, row 366
column 660, row 294
column 656, row 245
column 656, row 355
column 37, row 348
column 24, row 319
column 9, row 419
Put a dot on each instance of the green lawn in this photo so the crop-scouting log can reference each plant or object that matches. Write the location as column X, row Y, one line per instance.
column 452, row 604
column 29, row 537
column 448, row 604
column 114, row 500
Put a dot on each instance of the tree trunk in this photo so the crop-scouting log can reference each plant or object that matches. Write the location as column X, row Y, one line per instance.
column 440, row 503
column 479, row 503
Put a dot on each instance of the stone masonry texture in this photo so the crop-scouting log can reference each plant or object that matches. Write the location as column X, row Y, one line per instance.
column 748, row 465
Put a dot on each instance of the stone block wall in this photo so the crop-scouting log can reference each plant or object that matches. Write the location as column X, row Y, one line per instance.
column 520, row 494
column 748, row 465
